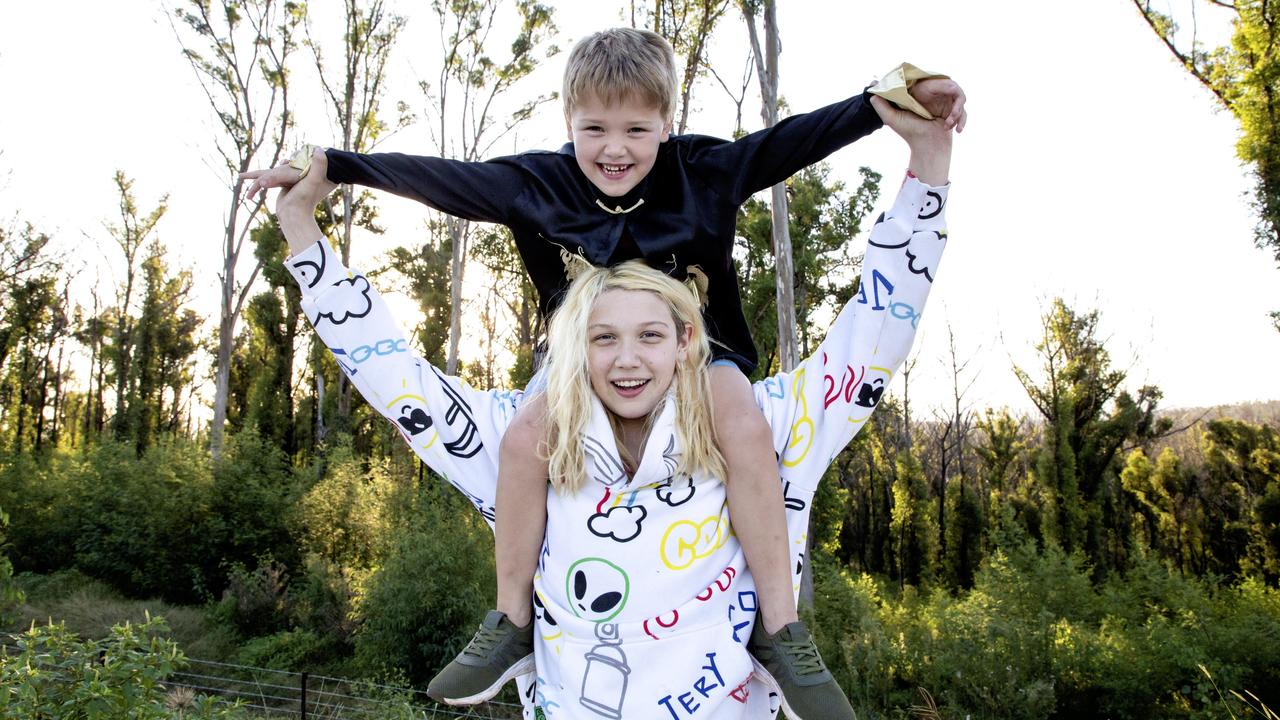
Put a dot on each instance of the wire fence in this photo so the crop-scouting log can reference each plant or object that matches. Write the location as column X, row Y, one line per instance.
column 307, row 696
column 284, row 694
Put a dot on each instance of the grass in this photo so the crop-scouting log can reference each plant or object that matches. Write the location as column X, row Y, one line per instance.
column 90, row 608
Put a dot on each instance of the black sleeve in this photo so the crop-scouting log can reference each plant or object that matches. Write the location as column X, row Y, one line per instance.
column 766, row 157
column 481, row 191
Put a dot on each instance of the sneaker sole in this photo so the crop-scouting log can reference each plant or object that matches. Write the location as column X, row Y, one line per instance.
column 521, row 667
column 768, row 680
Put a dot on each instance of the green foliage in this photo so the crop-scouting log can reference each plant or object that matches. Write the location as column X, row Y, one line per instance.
column 290, row 650
column 54, row 674
column 89, row 608
column 1244, row 76
column 142, row 524
column 419, row 607
column 822, row 219
column 913, row 528
column 10, row 593
column 425, row 274
column 253, row 496
column 343, row 517
column 164, row 524
column 1088, row 418
column 495, row 250
column 257, row 601
column 1036, row 638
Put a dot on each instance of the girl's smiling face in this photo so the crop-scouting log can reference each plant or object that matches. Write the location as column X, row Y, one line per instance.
column 633, row 346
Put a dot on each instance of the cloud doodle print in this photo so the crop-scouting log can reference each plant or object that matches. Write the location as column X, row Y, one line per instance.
column 357, row 306
column 676, row 490
column 620, row 523
column 925, row 251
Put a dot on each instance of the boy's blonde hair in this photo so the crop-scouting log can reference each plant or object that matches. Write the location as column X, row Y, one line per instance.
column 569, row 385
column 622, row 64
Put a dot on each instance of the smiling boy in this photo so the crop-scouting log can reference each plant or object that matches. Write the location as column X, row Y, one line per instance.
column 624, row 188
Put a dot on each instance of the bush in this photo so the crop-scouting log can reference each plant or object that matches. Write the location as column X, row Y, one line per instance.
column 422, row 605
column 1034, row 639
column 290, row 650
column 54, row 674
column 10, row 594
column 257, row 602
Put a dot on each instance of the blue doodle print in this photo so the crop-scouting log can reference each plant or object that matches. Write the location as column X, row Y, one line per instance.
column 745, row 607
column 903, row 311
column 386, row 346
column 774, row 388
column 703, row 685
column 878, row 281
column 339, row 354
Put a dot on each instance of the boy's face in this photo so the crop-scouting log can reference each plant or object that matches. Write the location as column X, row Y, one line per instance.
column 616, row 144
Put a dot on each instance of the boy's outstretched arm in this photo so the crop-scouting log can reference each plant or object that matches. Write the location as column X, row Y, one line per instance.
column 480, row 191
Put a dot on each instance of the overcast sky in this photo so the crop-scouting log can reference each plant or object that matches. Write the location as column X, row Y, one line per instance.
column 1094, row 168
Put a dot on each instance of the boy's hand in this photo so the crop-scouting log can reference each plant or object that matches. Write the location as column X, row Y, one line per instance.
column 300, row 195
column 943, row 98
column 283, row 175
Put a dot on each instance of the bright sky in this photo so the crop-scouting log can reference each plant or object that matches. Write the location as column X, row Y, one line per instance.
column 1093, row 167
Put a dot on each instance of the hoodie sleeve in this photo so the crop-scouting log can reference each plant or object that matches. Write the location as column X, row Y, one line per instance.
column 817, row 408
column 452, row 427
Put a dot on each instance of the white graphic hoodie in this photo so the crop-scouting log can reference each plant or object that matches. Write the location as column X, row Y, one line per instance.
column 643, row 601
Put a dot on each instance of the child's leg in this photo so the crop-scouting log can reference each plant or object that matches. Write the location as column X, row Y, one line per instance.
column 503, row 646
column 754, row 491
column 782, row 647
column 520, row 510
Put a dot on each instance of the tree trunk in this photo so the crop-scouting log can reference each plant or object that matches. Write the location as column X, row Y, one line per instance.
column 458, row 235
column 226, row 331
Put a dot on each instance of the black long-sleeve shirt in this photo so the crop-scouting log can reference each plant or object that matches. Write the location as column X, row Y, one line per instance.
column 688, row 214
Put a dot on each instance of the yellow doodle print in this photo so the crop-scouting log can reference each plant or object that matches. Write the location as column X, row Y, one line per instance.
column 686, row 541
column 802, row 430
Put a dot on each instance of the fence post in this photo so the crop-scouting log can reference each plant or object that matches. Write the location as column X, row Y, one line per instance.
column 304, row 696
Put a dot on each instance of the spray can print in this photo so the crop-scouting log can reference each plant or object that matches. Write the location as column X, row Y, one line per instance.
column 604, row 682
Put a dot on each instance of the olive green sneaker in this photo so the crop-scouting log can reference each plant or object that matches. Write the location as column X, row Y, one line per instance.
column 789, row 662
column 499, row 652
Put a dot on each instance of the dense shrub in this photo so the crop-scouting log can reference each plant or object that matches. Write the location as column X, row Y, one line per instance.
column 54, row 674
column 1035, row 639
column 422, row 604
column 10, row 593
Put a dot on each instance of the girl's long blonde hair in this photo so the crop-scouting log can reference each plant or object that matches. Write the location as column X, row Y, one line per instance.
column 568, row 388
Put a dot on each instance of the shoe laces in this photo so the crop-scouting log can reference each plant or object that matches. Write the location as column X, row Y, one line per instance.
column 484, row 642
column 804, row 656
